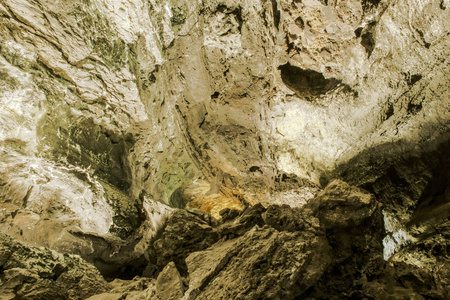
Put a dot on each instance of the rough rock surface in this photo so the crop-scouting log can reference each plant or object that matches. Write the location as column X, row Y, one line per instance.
column 38, row 273
column 158, row 96
column 111, row 110
column 329, row 249
column 183, row 233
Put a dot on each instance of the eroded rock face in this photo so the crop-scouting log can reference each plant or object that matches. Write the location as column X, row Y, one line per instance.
column 171, row 92
column 109, row 110
column 319, row 251
column 184, row 232
column 38, row 273
column 331, row 248
column 156, row 96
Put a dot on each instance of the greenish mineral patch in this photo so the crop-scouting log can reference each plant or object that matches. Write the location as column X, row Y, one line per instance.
column 114, row 53
column 8, row 81
column 178, row 16
column 128, row 210
column 112, row 50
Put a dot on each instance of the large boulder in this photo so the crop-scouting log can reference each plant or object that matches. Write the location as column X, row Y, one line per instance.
column 38, row 273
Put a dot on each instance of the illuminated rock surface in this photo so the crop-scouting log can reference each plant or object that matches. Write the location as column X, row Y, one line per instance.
column 121, row 120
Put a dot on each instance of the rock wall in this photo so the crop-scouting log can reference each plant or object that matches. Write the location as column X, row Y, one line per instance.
column 232, row 93
column 329, row 249
column 109, row 110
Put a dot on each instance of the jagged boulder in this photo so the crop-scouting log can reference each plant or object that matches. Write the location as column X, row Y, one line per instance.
column 38, row 273
column 185, row 231
column 329, row 249
column 169, row 284
column 136, row 289
column 262, row 264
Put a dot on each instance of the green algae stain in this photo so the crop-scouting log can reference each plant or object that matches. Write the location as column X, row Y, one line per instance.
column 178, row 16
column 8, row 81
column 128, row 210
column 113, row 52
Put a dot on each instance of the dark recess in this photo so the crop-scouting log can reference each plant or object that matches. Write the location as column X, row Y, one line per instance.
column 414, row 108
column 276, row 14
column 389, row 112
column 306, row 83
column 358, row 31
column 237, row 12
column 366, row 33
column 178, row 199
column 395, row 172
column 368, row 4
column 368, row 42
column 413, row 79
column 300, row 23
column 255, row 169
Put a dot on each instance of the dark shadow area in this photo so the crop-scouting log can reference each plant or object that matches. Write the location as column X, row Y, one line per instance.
column 90, row 145
column 126, row 271
column 403, row 176
column 368, row 4
column 112, row 257
column 307, row 83
column 368, row 42
column 178, row 199
column 367, row 37
column 276, row 14
column 434, row 203
column 284, row 181
column 236, row 11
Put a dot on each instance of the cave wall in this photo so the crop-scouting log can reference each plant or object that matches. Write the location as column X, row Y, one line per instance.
column 228, row 103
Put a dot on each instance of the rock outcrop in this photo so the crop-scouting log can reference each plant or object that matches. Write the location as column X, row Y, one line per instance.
column 38, row 273
column 245, row 110
column 155, row 97
column 330, row 248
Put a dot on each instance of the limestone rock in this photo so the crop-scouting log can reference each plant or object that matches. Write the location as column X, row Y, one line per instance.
column 245, row 221
column 156, row 96
column 340, row 205
column 248, row 267
column 135, row 289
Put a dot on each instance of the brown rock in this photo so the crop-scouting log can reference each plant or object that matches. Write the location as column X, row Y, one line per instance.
column 262, row 264
column 39, row 273
column 340, row 205
column 184, row 233
column 169, row 285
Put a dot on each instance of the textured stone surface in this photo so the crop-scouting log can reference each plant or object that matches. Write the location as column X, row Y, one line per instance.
column 169, row 284
column 329, row 249
column 157, row 96
column 111, row 109
column 38, row 273
column 322, row 86
column 248, row 268
column 184, row 232
column 135, row 289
